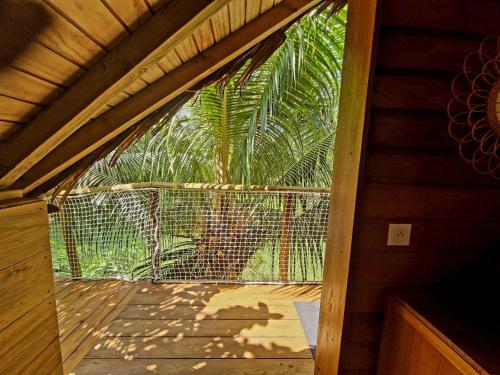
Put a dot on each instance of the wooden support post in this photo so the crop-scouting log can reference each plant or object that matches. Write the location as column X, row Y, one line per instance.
column 356, row 73
column 154, row 233
column 286, row 235
column 69, row 242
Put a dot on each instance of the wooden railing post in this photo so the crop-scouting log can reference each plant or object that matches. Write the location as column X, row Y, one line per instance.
column 154, row 233
column 69, row 241
column 286, row 236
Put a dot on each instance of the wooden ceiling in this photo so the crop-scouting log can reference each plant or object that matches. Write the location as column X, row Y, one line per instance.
column 96, row 67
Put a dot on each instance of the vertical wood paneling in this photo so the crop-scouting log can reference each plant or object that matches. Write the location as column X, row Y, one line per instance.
column 28, row 320
column 412, row 172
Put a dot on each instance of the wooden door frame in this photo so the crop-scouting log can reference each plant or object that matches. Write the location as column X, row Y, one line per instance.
column 357, row 72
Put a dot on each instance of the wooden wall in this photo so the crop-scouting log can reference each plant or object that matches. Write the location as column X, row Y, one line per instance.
column 412, row 172
column 29, row 333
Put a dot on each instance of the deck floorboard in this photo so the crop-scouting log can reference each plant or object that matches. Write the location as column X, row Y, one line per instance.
column 115, row 327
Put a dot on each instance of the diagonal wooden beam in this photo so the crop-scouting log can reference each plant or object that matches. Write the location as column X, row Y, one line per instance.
column 118, row 119
column 111, row 75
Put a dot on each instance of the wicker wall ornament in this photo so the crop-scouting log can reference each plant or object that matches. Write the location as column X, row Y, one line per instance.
column 474, row 110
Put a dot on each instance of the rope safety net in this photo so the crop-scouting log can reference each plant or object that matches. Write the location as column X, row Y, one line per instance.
column 175, row 234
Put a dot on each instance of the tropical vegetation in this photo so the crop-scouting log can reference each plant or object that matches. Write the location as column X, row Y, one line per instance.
column 278, row 128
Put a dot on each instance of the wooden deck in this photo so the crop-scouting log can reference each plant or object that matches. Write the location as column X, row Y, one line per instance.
column 114, row 327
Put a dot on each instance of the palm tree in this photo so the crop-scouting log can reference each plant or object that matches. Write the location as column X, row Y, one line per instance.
column 277, row 128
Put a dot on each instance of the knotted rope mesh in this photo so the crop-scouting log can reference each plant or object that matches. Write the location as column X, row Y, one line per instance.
column 191, row 235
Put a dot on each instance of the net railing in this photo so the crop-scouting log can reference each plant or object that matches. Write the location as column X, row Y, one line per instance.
column 191, row 232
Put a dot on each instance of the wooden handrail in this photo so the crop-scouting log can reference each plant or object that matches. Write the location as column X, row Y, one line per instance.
column 198, row 186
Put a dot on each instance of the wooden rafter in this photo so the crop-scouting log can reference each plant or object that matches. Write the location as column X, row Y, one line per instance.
column 111, row 75
column 120, row 118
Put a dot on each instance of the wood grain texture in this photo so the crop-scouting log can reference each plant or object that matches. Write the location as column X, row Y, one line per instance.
column 27, row 221
column 28, row 337
column 237, row 14
column 20, row 85
column 410, row 49
column 17, row 110
column 413, row 92
column 201, row 347
column 119, row 68
column 410, row 130
column 7, row 128
column 28, row 319
column 133, row 13
column 46, row 64
column 84, row 311
column 417, row 168
column 357, row 67
column 474, row 16
column 411, row 345
column 411, row 172
column 69, row 41
column 263, row 336
column 440, row 203
column 221, row 24
column 200, row 366
column 127, row 113
column 94, row 18
column 208, row 328
column 243, row 312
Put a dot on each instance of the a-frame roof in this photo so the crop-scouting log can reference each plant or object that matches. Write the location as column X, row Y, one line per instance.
column 91, row 69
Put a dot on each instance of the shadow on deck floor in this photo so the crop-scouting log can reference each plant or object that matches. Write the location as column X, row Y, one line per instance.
column 115, row 327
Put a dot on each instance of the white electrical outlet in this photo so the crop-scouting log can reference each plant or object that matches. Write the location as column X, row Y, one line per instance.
column 399, row 235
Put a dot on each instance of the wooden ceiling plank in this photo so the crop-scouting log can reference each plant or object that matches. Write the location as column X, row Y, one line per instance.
column 266, row 5
column 111, row 75
column 132, row 12
column 135, row 86
column 152, row 74
column 93, row 18
column 42, row 62
column 127, row 113
column 67, row 40
column 170, row 62
column 7, row 128
column 220, row 24
column 16, row 110
column 23, row 86
column 187, row 49
column 252, row 10
column 204, row 36
column 236, row 14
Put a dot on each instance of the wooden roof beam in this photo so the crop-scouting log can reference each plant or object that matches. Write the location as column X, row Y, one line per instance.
column 128, row 112
column 112, row 74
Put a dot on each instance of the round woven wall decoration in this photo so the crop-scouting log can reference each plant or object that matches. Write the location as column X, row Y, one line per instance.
column 474, row 109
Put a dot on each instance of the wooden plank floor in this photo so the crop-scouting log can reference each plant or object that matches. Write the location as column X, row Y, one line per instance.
column 84, row 310
column 189, row 328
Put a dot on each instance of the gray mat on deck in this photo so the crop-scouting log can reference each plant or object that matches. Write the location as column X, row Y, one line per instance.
column 309, row 317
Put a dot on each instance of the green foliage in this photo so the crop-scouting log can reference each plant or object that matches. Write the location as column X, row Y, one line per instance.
column 279, row 129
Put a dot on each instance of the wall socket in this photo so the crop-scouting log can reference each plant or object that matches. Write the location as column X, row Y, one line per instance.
column 399, row 235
